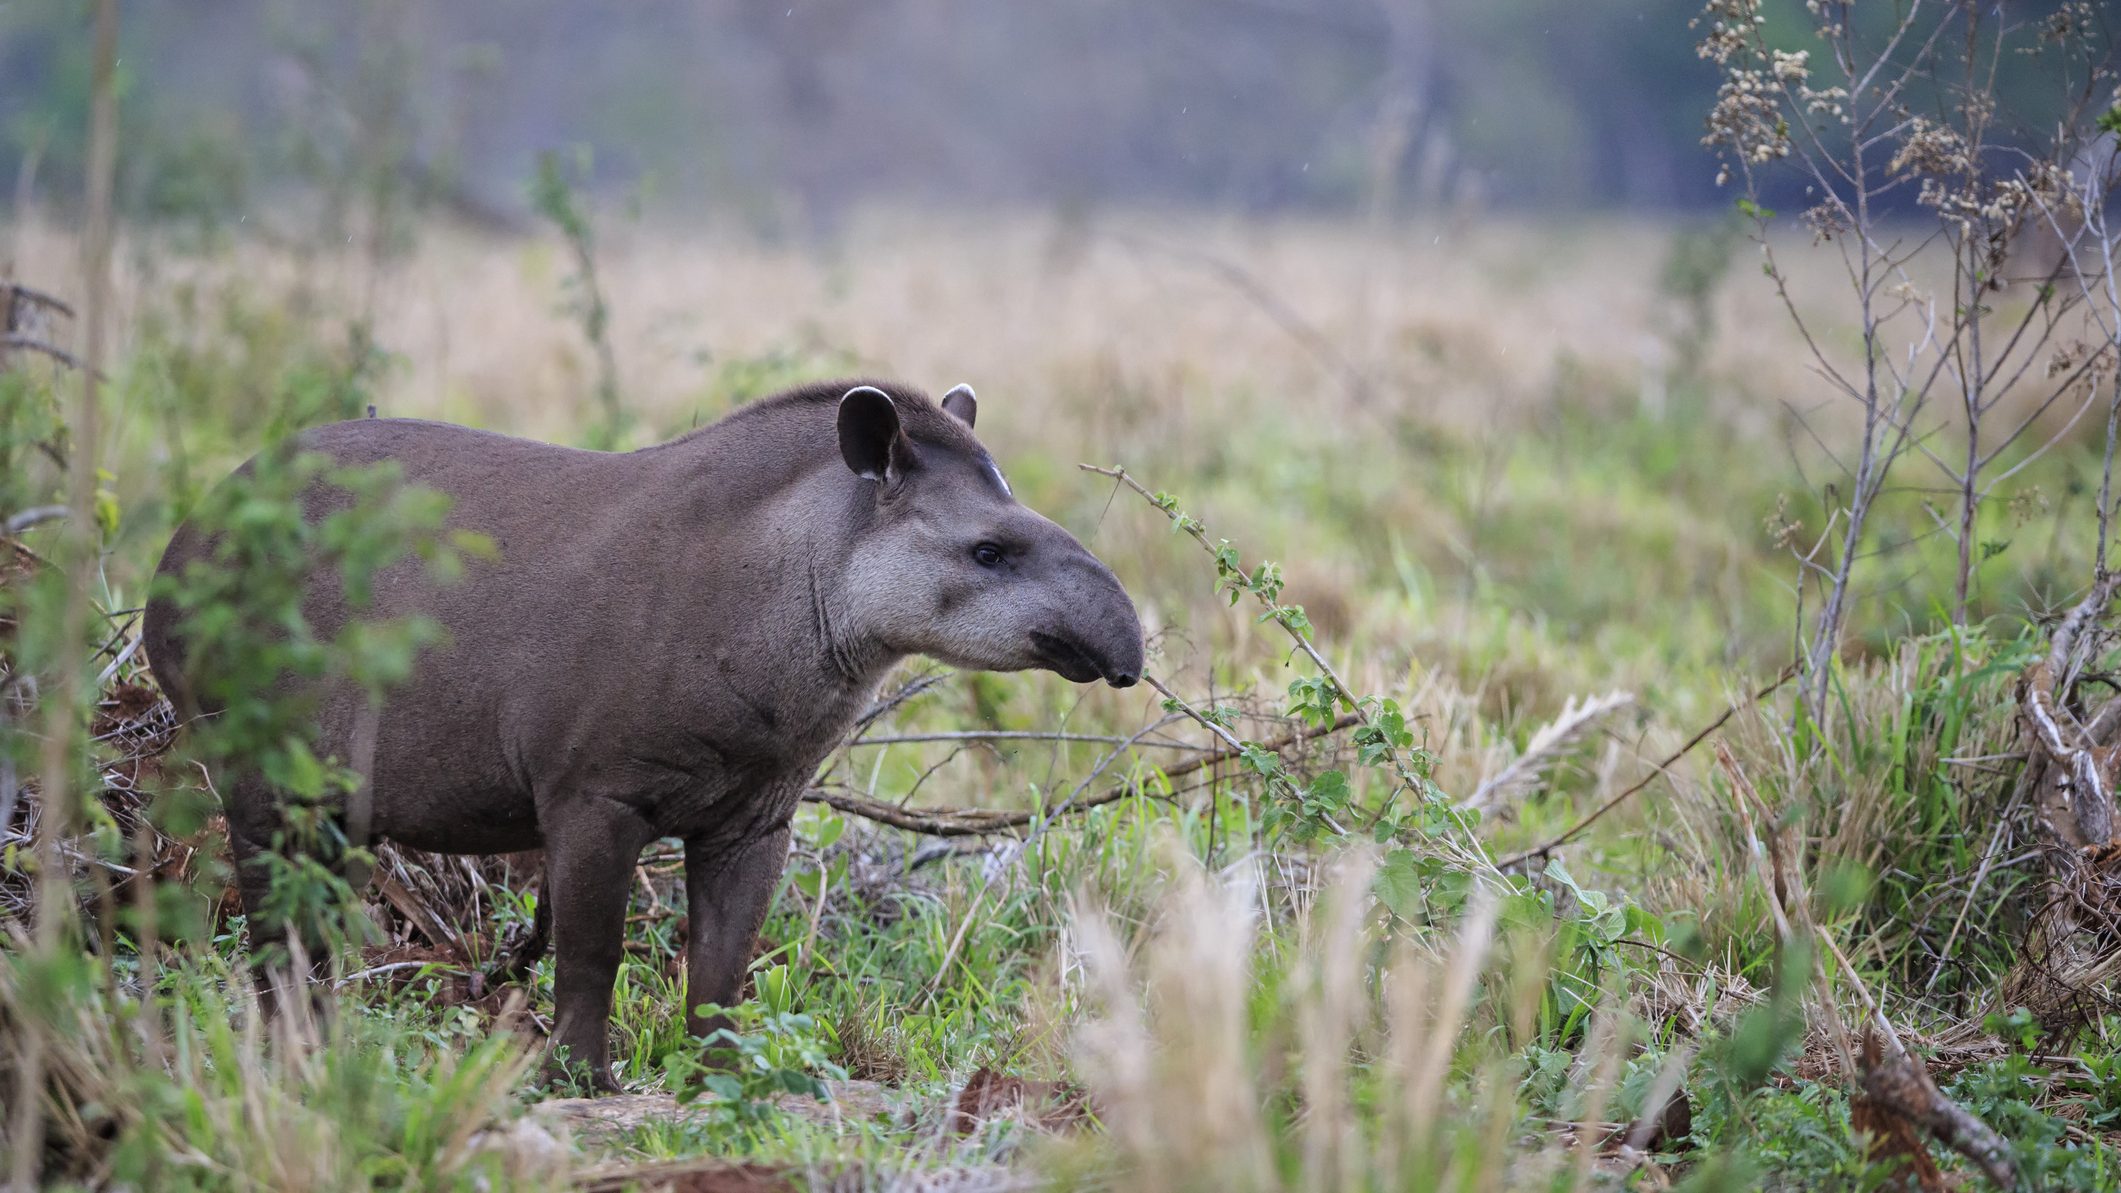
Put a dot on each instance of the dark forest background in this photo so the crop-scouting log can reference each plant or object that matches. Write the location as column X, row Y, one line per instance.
column 791, row 112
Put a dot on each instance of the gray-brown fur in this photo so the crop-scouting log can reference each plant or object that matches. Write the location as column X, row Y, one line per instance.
column 670, row 642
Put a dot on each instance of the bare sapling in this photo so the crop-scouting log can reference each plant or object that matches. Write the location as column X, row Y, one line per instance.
column 1928, row 188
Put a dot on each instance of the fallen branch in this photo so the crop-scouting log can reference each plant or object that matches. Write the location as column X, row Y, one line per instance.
column 1670, row 760
column 980, row 735
column 35, row 515
column 974, row 822
column 1896, row 1082
column 22, row 343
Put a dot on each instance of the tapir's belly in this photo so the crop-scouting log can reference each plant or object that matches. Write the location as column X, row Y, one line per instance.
column 439, row 781
column 440, row 811
column 466, row 822
column 452, row 788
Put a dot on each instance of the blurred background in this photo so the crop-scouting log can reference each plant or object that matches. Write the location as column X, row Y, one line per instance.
column 1434, row 309
column 788, row 115
column 791, row 113
column 1439, row 300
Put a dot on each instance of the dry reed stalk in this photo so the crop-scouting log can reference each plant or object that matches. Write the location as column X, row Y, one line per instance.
column 1476, row 935
column 1548, row 746
column 1331, row 1014
column 1167, row 1055
column 1547, row 848
column 62, row 732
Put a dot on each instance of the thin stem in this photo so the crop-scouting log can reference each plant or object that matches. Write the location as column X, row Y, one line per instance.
column 62, row 727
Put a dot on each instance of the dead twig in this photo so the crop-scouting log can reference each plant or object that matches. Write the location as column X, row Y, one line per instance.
column 1789, row 672
column 19, row 293
column 980, row 735
column 975, row 822
column 1895, row 1081
column 21, row 343
column 886, row 705
column 35, row 515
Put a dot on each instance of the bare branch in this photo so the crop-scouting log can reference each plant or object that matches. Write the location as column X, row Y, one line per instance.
column 974, row 822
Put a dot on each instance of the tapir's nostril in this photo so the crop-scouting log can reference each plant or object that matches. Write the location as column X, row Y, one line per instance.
column 1123, row 680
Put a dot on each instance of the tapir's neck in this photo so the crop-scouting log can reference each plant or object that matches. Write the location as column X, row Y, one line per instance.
column 786, row 515
column 810, row 525
column 853, row 655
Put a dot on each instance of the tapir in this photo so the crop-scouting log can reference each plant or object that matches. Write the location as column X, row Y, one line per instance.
column 665, row 643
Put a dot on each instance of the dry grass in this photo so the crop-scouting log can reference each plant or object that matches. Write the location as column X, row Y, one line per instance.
column 1126, row 343
column 1468, row 324
column 1233, row 1042
column 201, row 1088
column 1330, row 1080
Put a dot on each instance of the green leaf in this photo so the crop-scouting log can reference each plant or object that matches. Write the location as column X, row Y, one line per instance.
column 1330, row 791
column 1560, row 873
column 1398, row 884
column 1261, row 760
column 827, row 829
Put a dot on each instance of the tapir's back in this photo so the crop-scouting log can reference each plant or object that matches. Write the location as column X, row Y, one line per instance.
column 536, row 630
column 649, row 627
column 507, row 489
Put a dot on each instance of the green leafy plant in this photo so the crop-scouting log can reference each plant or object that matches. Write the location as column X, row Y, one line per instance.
column 766, row 1051
column 240, row 616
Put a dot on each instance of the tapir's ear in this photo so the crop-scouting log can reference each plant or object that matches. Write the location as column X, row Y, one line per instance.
column 871, row 440
column 961, row 402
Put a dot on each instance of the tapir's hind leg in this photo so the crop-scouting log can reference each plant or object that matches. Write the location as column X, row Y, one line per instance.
column 591, row 846
column 254, row 871
column 524, row 957
column 279, row 980
column 281, row 960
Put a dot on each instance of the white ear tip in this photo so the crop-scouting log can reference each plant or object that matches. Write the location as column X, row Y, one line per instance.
column 865, row 389
column 960, row 390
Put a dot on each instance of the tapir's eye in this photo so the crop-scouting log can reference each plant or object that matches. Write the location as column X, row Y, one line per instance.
column 987, row 555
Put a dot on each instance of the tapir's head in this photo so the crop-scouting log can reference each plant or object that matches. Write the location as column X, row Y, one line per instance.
column 948, row 564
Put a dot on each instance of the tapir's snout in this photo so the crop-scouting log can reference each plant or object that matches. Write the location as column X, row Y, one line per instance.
column 1100, row 636
column 1123, row 667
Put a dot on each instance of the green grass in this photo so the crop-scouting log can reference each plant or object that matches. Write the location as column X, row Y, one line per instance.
column 1480, row 578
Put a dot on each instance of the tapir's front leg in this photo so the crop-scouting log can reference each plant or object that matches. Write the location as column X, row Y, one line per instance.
column 591, row 846
column 727, row 888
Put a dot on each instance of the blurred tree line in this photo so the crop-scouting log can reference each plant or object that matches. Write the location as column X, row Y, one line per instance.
column 789, row 111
